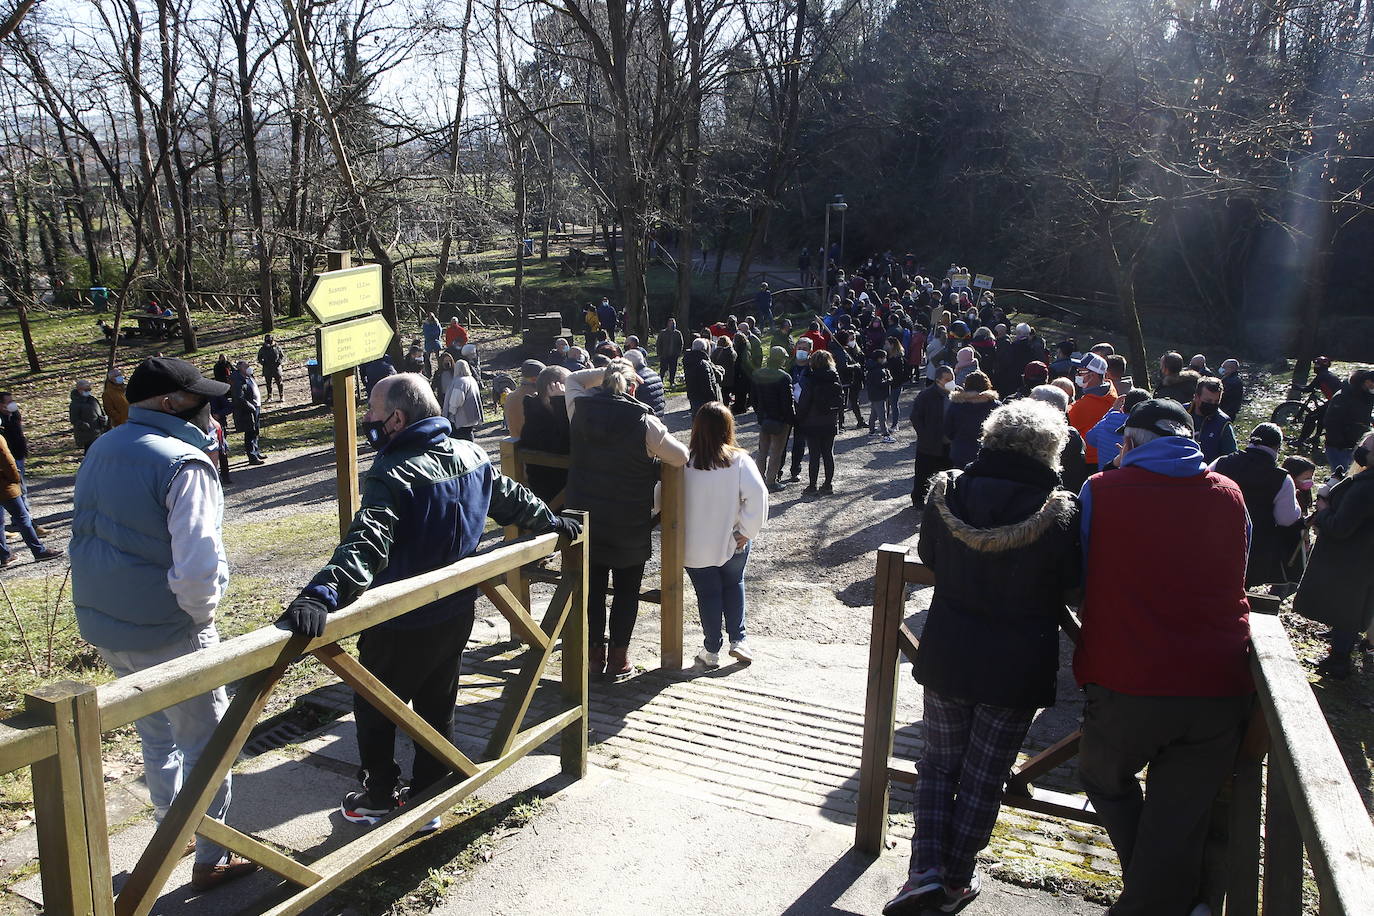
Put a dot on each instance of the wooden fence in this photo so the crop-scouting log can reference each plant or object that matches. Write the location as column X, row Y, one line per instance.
column 1303, row 800
column 58, row 736
column 668, row 596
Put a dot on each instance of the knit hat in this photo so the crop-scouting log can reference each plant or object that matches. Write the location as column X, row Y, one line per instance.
column 1267, row 435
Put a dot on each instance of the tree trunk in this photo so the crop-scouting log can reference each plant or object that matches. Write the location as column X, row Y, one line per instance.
column 179, row 247
column 521, row 218
column 12, row 271
column 455, row 147
column 248, row 128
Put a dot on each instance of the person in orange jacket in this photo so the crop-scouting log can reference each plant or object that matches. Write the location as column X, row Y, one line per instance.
column 1096, row 397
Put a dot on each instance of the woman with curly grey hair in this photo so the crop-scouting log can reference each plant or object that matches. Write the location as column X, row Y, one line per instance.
column 1002, row 539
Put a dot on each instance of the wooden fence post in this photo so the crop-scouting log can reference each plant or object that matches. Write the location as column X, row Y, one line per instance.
column 671, row 551
column 880, row 705
column 574, row 659
column 513, row 466
column 60, row 807
column 345, row 426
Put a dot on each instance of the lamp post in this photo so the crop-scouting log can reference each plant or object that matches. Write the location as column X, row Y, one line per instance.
column 839, row 206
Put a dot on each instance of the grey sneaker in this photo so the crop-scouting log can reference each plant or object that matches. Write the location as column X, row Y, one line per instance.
column 708, row 659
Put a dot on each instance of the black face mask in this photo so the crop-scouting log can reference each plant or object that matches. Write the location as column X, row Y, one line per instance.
column 1207, row 408
column 375, row 433
column 1362, row 456
column 198, row 416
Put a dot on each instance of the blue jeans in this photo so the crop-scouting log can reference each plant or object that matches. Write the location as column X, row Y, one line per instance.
column 894, row 419
column 720, row 596
column 22, row 523
column 173, row 738
column 1339, row 457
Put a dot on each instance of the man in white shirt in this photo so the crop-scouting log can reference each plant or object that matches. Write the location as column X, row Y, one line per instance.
column 149, row 571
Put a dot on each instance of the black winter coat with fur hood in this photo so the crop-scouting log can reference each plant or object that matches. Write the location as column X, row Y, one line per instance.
column 1002, row 539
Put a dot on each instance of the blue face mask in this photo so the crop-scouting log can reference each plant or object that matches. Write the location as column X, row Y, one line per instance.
column 119, row 380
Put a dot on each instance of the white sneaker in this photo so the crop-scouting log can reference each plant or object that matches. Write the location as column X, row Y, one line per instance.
column 740, row 650
column 709, row 659
column 888, row 439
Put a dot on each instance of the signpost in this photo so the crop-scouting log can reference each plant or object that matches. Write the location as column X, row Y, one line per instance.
column 341, row 293
column 958, row 281
column 982, row 281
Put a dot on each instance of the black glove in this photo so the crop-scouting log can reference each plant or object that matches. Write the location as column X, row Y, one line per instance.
column 569, row 527
column 305, row 616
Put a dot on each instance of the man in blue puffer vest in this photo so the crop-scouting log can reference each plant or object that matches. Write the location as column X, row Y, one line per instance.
column 425, row 503
column 148, row 571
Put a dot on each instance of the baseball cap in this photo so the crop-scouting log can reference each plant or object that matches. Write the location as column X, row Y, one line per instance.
column 1267, row 435
column 159, row 375
column 1036, row 369
column 1159, row 415
column 1093, row 363
column 531, row 368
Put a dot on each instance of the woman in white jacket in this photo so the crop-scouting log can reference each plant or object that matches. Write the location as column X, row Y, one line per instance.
column 463, row 403
column 726, row 507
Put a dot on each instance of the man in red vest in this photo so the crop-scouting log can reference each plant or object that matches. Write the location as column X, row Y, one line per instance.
column 1162, row 657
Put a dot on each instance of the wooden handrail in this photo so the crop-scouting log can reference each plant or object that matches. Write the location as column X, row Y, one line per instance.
column 1313, row 803
column 59, row 737
column 1331, row 817
column 147, row 691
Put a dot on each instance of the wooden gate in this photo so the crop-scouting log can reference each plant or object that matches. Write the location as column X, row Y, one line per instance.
column 59, row 735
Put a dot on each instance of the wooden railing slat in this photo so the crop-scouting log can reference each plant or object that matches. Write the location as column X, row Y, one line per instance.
column 258, row 851
column 160, row 686
column 1332, row 818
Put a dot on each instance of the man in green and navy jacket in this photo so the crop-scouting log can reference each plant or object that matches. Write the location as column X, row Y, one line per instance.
column 425, row 502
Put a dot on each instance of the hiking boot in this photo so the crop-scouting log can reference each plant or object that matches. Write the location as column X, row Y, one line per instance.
column 777, row 486
column 709, row 660
column 739, row 649
column 956, row 898
column 825, row 489
column 810, row 490
column 794, row 477
column 49, row 553
column 41, row 531
column 618, row 664
column 921, row 891
column 209, row 877
column 596, row 662
column 362, row 808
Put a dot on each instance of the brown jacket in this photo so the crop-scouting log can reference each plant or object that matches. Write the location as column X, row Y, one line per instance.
column 116, row 405
column 9, row 472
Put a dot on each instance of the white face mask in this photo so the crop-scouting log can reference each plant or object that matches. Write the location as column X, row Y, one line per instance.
column 12, row 407
column 950, row 386
column 803, row 355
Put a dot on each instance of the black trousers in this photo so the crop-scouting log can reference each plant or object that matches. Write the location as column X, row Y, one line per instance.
column 624, row 604
column 798, row 451
column 1189, row 745
column 421, row 667
column 822, row 446
column 248, row 421
column 927, row 466
column 667, row 369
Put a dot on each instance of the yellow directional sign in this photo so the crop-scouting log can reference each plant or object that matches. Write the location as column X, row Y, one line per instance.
column 352, row 343
column 340, row 294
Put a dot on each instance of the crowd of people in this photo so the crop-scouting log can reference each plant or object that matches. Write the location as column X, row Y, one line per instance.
column 1044, row 475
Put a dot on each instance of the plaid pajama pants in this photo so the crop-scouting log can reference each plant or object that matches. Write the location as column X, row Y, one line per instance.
column 969, row 752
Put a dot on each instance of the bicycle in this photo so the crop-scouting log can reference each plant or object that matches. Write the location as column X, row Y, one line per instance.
column 1297, row 413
